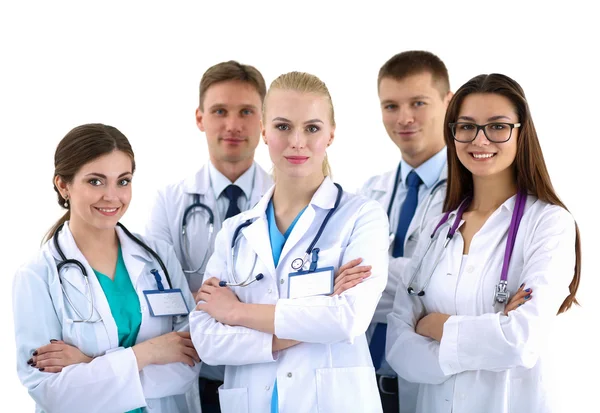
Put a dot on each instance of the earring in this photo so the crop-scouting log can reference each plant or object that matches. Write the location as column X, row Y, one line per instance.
column 66, row 204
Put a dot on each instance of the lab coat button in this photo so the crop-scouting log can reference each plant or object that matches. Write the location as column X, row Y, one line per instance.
column 289, row 374
column 282, row 281
column 270, row 291
column 471, row 268
column 267, row 388
column 463, row 396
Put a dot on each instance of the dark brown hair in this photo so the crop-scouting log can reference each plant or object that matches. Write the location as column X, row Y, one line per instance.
column 232, row 70
column 529, row 165
column 414, row 62
column 81, row 145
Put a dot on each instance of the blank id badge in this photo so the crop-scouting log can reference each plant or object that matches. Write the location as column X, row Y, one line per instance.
column 166, row 302
column 311, row 283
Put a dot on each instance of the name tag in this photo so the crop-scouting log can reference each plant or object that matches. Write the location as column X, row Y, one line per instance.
column 311, row 283
column 166, row 302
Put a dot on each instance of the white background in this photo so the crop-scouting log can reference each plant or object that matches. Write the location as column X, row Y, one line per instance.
column 137, row 65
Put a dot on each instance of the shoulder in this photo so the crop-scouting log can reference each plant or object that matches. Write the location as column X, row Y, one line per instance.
column 541, row 213
column 379, row 182
column 37, row 266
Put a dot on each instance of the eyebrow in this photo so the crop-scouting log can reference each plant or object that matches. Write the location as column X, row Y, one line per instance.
column 418, row 97
column 280, row 119
column 493, row 118
column 104, row 176
column 223, row 105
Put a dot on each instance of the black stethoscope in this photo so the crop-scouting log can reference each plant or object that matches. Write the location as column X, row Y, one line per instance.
column 297, row 263
column 437, row 187
column 184, row 239
column 81, row 267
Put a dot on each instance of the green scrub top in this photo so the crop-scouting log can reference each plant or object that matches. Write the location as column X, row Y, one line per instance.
column 124, row 305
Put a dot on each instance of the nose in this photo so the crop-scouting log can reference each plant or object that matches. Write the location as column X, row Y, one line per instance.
column 297, row 139
column 481, row 139
column 233, row 124
column 110, row 194
column 405, row 116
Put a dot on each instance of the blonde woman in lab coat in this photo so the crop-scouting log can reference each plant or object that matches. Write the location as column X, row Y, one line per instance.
column 289, row 344
column 469, row 351
column 95, row 344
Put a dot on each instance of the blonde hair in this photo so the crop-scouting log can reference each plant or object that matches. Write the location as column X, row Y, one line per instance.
column 303, row 83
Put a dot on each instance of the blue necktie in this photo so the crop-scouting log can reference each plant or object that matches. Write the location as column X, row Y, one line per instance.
column 407, row 212
column 377, row 346
column 233, row 192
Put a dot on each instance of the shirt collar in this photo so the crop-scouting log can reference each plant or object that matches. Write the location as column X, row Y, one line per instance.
column 429, row 171
column 219, row 181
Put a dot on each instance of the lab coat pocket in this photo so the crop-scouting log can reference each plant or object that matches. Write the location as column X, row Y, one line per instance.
column 234, row 400
column 347, row 389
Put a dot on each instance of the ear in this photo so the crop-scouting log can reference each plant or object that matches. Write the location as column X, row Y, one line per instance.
column 263, row 132
column 61, row 186
column 331, row 137
column 448, row 98
column 200, row 119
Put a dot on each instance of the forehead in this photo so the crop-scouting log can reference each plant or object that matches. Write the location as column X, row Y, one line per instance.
column 482, row 106
column 113, row 163
column 232, row 93
column 420, row 84
column 295, row 105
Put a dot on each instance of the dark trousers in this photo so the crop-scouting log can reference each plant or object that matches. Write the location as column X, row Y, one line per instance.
column 209, row 395
column 388, row 392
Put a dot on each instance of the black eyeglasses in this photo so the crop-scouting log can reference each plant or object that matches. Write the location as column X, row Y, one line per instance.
column 496, row 132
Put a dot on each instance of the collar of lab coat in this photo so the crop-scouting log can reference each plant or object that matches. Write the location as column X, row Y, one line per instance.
column 134, row 256
column 324, row 198
column 200, row 184
column 507, row 207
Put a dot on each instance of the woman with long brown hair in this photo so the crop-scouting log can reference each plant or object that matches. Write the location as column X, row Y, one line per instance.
column 475, row 306
column 100, row 314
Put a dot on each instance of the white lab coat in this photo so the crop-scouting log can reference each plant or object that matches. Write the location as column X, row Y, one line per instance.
column 380, row 188
column 111, row 382
column 167, row 215
column 331, row 370
column 486, row 361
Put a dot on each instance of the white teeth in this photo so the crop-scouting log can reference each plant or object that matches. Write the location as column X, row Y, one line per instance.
column 482, row 155
column 109, row 210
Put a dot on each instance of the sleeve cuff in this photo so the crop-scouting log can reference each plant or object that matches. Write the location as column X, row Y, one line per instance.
column 448, row 355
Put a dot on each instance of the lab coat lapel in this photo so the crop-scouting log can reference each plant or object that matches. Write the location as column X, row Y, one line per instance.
column 73, row 276
column 323, row 199
column 136, row 259
column 261, row 186
column 257, row 233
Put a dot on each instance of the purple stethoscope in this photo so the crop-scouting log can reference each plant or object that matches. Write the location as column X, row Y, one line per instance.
column 501, row 294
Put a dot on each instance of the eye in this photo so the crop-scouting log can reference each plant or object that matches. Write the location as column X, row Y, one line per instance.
column 418, row 104
column 313, row 128
column 247, row 112
column 283, row 127
column 95, row 182
column 466, row 126
column 391, row 107
column 125, row 181
column 498, row 126
column 219, row 112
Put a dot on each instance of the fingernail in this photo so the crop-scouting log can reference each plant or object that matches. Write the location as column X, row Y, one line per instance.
column 528, row 297
column 30, row 361
column 42, row 369
column 528, row 290
column 35, row 353
column 52, row 340
column 522, row 285
column 520, row 304
column 33, row 364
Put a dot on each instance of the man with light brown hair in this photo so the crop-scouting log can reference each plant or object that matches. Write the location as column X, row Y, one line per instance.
column 229, row 113
column 414, row 91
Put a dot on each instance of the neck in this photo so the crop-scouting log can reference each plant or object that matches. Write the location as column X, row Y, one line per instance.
column 418, row 159
column 293, row 193
column 492, row 191
column 232, row 170
column 90, row 240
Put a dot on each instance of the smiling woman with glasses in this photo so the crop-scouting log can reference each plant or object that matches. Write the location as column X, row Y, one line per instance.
column 484, row 289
